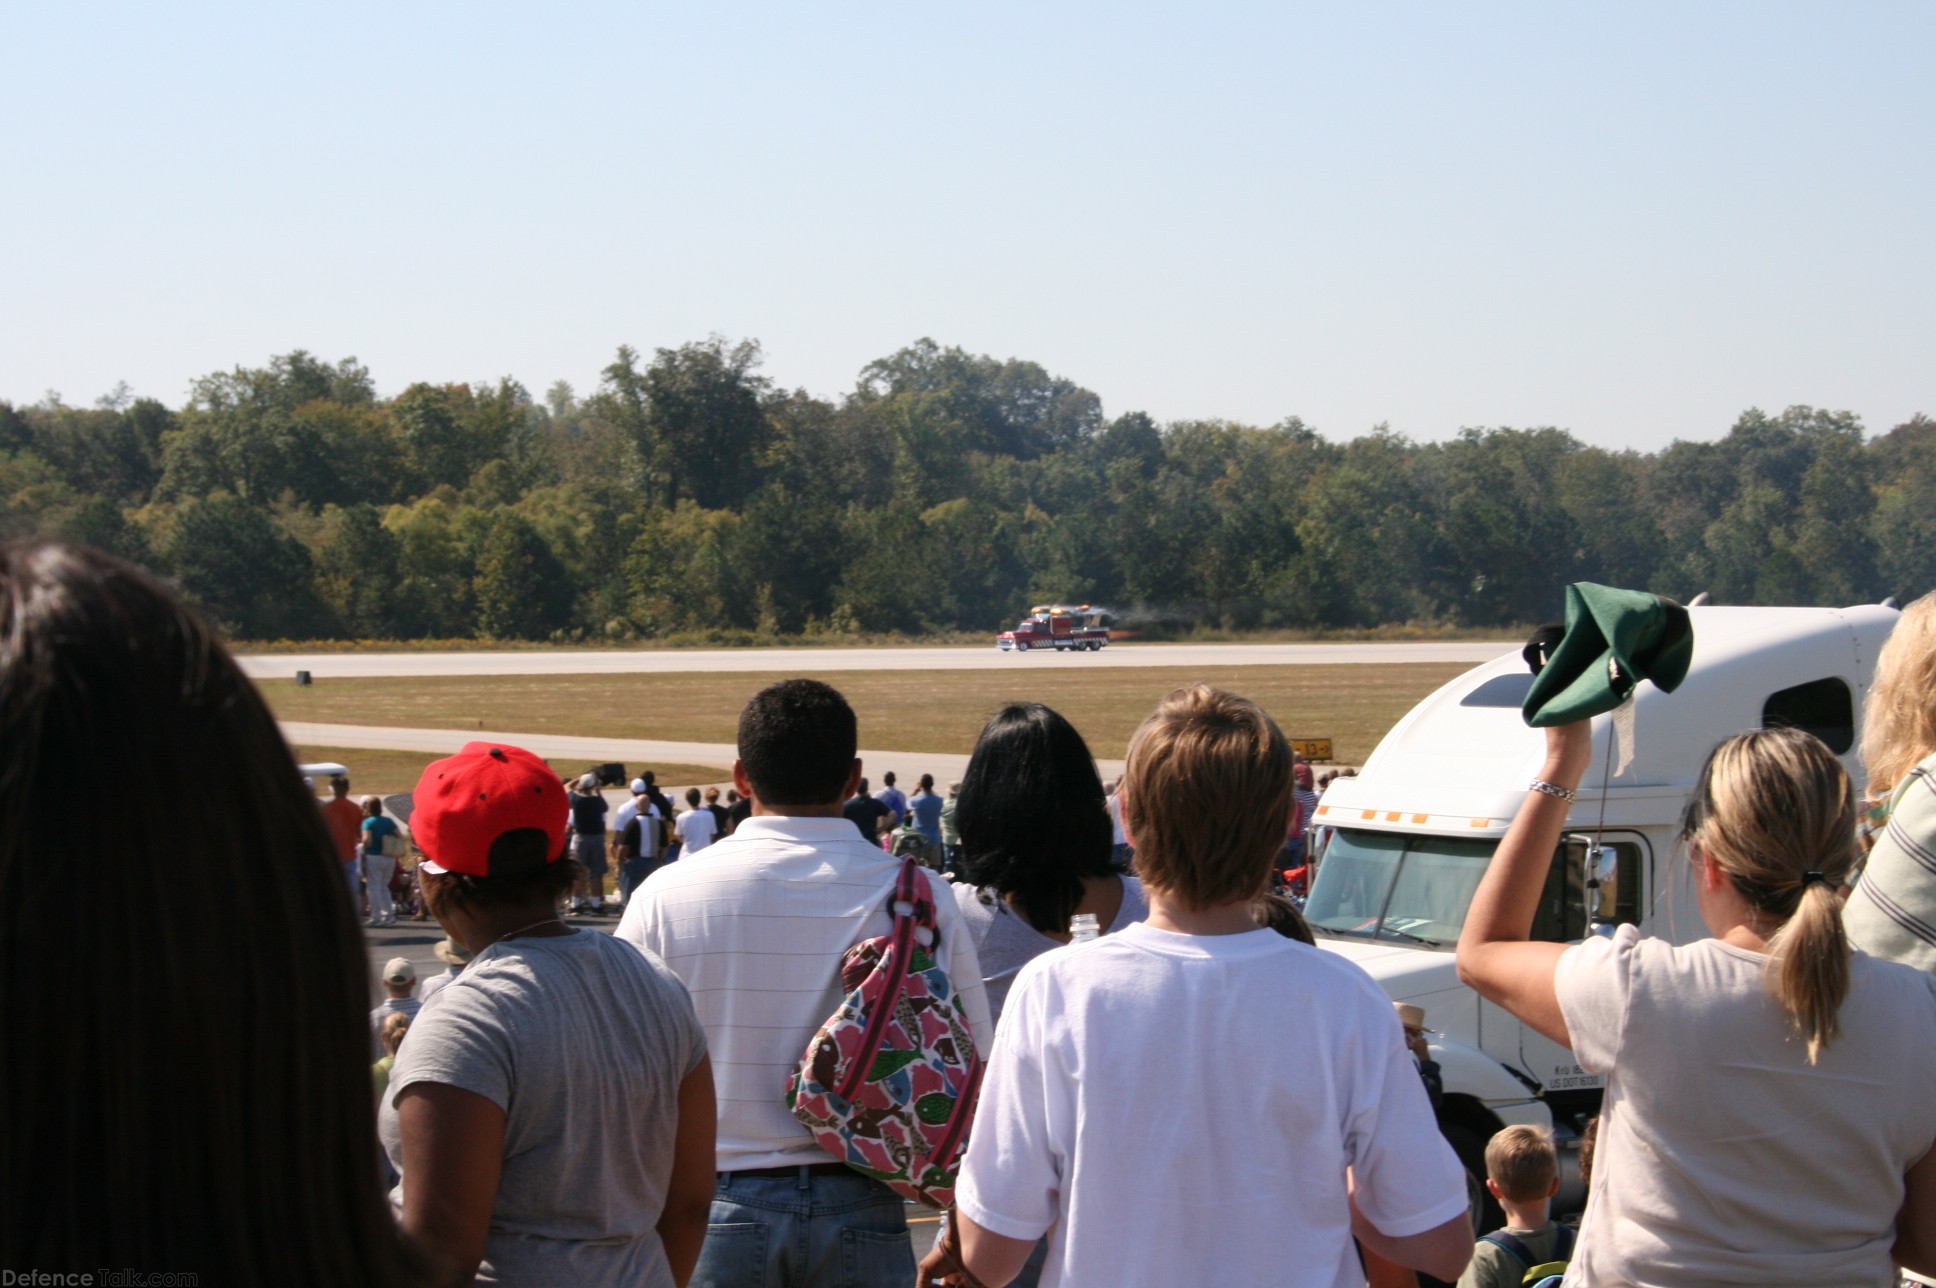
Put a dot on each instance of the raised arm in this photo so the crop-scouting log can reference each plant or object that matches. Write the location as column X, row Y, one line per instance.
column 1496, row 955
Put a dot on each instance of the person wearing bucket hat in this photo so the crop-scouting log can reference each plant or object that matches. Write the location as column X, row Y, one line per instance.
column 455, row 957
column 552, row 1115
column 1613, row 639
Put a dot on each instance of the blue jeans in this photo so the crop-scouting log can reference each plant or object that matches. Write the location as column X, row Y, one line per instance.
column 353, row 873
column 805, row 1231
column 631, row 873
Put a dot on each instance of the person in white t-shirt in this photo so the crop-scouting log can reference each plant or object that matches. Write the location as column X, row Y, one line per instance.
column 1193, row 1099
column 1767, row 1117
column 697, row 826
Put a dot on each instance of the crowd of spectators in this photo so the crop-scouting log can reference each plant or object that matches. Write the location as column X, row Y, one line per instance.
column 1196, row 1095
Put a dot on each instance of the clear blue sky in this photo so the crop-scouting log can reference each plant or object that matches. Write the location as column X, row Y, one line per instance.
column 1630, row 220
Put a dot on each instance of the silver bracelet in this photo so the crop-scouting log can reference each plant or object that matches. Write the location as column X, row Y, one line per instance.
column 1551, row 789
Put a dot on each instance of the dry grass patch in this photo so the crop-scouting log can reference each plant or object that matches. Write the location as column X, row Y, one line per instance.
column 933, row 711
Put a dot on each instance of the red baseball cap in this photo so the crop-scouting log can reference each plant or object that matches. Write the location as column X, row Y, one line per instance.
column 464, row 803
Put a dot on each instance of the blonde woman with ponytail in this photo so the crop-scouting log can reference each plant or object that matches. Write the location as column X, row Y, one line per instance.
column 1768, row 1116
column 1892, row 911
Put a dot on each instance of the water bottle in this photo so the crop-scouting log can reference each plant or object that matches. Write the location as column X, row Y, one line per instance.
column 1084, row 927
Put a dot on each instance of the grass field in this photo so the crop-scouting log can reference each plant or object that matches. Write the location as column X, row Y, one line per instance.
column 382, row 773
column 937, row 711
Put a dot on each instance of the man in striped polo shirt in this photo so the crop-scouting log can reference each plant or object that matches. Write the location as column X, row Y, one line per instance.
column 757, row 932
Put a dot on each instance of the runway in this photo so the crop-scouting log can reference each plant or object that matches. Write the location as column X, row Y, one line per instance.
column 817, row 661
column 565, row 748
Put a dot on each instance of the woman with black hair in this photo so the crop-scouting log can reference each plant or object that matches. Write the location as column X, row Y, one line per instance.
column 1036, row 844
column 145, row 1123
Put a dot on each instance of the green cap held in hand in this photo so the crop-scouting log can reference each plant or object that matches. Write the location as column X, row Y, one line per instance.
column 1614, row 639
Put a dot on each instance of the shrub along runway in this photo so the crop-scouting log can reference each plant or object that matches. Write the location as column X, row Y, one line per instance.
column 911, row 711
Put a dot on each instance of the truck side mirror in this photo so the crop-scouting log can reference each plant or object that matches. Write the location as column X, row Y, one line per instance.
column 1602, row 887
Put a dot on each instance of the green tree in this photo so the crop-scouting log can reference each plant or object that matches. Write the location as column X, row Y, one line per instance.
column 247, row 574
column 358, row 573
column 685, row 574
column 1903, row 523
column 522, row 590
column 705, row 429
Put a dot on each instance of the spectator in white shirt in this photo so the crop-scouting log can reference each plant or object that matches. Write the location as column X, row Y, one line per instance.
column 697, row 826
column 1137, row 1037
column 756, row 932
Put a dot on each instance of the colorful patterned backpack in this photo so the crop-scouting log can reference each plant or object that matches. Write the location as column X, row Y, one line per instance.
column 888, row 1084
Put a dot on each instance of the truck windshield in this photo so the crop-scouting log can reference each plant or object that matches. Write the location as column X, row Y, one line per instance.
column 1386, row 886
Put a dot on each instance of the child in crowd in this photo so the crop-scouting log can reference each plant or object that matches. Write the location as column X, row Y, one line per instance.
column 390, row 1034
column 1113, row 1034
column 1523, row 1173
column 400, row 983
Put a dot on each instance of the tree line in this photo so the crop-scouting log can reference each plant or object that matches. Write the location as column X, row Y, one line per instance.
column 689, row 495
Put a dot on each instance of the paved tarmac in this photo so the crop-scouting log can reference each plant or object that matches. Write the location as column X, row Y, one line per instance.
column 907, row 765
column 814, row 661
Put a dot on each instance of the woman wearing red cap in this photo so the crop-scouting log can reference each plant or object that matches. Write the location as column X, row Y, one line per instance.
column 552, row 1112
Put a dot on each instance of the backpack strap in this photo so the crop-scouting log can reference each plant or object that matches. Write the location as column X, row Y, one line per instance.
column 1520, row 1252
column 1563, row 1242
column 913, row 911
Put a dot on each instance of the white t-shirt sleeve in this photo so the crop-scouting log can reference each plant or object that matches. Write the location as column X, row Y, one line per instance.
column 1407, row 1177
column 1594, row 981
column 1011, row 1179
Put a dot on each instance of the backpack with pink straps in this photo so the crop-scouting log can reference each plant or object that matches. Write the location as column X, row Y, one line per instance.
column 888, row 1083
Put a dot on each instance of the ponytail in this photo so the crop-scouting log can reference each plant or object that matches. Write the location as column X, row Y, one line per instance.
column 1776, row 812
column 1808, row 969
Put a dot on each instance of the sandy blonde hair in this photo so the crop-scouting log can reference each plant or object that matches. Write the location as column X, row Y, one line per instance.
column 1522, row 1162
column 1206, row 796
column 1776, row 812
column 391, row 1031
column 1899, row 720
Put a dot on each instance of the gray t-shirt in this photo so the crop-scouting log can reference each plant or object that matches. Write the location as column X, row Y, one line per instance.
column 1005, row 942
column 583, row 1040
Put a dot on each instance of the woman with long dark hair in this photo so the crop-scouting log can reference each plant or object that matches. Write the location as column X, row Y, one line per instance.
column 1768, row 1117
column 186, row 1087
column 1036, row 844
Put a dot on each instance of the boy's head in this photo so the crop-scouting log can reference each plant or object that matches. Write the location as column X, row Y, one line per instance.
column 391, row 1031
column 1205, row 792
column 1521, row 1165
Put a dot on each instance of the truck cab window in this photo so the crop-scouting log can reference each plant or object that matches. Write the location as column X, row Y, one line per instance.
column 1416, row 889
column 1824, row 708
column 1382, row 885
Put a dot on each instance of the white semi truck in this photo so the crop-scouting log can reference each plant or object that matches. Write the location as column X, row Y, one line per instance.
column 1406, row 840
